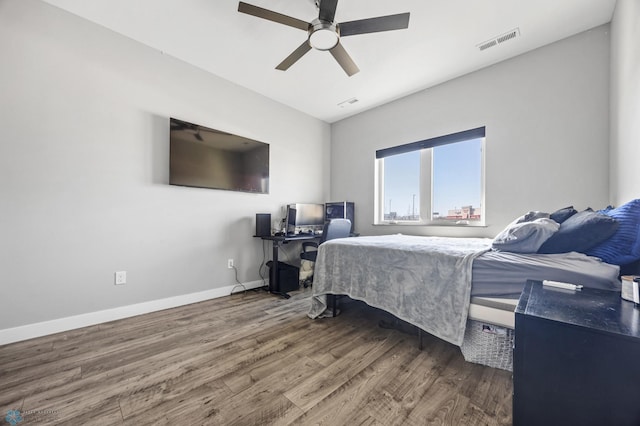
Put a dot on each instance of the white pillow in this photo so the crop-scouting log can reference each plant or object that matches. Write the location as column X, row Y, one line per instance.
column 525, row 237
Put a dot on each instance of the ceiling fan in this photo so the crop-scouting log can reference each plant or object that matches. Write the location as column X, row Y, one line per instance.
column 324, row 33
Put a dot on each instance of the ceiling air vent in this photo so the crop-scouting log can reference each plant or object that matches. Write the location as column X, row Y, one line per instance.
column 348, row 102
column 509, row 35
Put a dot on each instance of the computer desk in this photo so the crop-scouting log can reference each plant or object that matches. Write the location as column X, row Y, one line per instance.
column 276, row 241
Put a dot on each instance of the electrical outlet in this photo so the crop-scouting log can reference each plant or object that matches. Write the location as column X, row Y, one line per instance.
column 230, row 263
column 120, row 277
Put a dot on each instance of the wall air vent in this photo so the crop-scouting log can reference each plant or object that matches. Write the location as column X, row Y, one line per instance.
column 509, row 35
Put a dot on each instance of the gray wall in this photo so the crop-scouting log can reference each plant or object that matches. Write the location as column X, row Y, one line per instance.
column 625, row 102
column 84, row 170
column 547, row 120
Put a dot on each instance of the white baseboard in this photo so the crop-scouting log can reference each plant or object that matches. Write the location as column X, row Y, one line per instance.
column 30, row 331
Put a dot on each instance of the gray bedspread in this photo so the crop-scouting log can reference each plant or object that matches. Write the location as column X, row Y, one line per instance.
column 425, row 281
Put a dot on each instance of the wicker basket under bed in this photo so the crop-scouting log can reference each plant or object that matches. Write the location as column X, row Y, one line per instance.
column 488, row 344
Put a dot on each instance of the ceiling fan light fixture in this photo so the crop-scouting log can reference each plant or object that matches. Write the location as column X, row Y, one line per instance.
column 323, row 35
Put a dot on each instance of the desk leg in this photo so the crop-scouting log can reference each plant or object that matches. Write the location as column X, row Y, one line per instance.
column 273, row 273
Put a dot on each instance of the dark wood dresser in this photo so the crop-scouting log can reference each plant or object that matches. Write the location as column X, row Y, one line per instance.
column 576, row 358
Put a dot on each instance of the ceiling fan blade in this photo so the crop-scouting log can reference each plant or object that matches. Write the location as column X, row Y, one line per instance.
column 270, row 15
column 328, row 10
column 374, row 25
column 293, row 58
column 344, row 59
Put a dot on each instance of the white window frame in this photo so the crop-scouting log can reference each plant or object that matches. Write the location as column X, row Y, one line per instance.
column 426, row 184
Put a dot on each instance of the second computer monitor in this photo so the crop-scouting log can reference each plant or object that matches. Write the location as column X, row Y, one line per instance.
column 341, row 210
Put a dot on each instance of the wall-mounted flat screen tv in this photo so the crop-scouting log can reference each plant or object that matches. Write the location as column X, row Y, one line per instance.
column 209, row 158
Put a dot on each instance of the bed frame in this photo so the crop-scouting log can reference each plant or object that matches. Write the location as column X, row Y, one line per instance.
column 491, row 310
column 490, row 323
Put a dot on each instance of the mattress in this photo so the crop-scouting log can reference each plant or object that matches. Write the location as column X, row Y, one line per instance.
column 493, row 310
column 503, row 274
column 394, row 272
column 499, row 277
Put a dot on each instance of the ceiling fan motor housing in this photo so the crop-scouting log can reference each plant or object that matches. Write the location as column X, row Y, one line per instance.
column 323, row 35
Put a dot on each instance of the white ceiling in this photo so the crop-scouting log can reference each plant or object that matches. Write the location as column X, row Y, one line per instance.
column 440, row 43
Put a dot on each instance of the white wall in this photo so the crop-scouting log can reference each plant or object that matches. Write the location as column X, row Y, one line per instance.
column 84, row 170
column 625, row 102
column 546, row 117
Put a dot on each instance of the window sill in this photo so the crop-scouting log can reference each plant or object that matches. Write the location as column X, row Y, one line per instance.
column 438, row 225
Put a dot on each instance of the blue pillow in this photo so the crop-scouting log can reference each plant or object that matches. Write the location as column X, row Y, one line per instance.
column 624, row 246
column 580, row 232
column 563, row 214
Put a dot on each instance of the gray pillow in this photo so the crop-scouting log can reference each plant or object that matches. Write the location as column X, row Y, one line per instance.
column 525, row 237
column 531, row 216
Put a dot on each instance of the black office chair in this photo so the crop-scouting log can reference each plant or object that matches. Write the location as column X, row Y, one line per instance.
column 335, row 228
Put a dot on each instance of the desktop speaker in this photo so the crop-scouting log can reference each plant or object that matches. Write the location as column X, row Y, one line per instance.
column 263, row 224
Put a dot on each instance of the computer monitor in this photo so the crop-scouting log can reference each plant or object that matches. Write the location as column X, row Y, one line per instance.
column 341, row 210
column 308, row 217
column 291, row 220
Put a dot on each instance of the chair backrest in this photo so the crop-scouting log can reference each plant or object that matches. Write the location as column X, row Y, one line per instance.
column 336, row 228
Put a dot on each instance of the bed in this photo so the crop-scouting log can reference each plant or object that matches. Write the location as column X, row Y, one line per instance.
column 438, row 284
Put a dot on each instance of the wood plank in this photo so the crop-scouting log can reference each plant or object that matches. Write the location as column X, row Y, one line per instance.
column 326, row 381
column 193, row 407
column 308, row 343
column 265, row 397
column 441, row 404
column 344, row 405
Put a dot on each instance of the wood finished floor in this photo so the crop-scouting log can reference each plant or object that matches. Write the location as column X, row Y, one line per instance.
column 248, row 359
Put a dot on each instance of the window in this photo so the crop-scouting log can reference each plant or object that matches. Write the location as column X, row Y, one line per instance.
column 438, row 181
